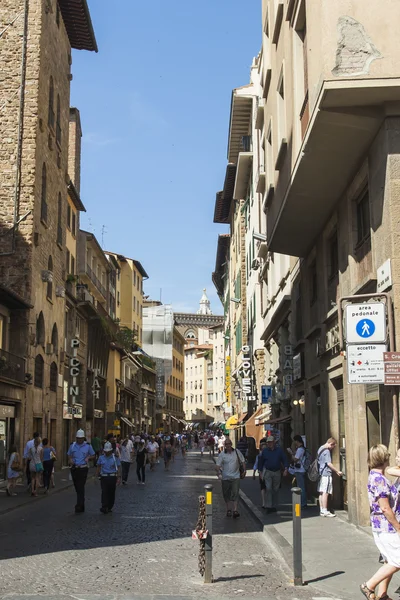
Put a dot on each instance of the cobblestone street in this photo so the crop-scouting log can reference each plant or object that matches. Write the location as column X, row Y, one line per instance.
column 143, row 549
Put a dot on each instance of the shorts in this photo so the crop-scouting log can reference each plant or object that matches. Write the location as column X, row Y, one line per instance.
column 230, row 489
column 388, row 545
column 325, row 484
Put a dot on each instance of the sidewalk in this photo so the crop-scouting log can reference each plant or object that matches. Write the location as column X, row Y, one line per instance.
column 61, row 480
column 337, row 556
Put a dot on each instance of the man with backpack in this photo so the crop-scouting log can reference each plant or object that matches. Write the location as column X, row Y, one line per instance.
column 299, row 466
column 325, row 467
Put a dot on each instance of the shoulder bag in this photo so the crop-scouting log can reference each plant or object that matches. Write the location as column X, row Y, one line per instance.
column 242, row 469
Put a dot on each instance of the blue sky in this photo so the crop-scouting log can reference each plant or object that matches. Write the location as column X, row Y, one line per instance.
column 155, row 106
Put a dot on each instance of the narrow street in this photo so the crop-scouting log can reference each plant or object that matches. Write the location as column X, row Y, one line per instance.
column 143, row 549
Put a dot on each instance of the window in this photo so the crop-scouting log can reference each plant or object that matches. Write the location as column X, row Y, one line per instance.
column 50, row 278
column 40, row 330
column 53, row 376
column 58, row 123
column 54, row 338
column 363, row 217
column 281, row 109
column 59, row 220
column 333, row 250
column 51, row 115
column 134, row 278
column 134, row 304
column 43, row 208
column 69, row 217
column 39, row 368
column 73, row 224
column 67, row 261
column 72, row 265
column 313, row 282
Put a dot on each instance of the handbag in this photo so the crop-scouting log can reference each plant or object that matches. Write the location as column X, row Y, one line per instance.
column 52, row 455
column 39, row 467
column 16, row 465
column 242, row 469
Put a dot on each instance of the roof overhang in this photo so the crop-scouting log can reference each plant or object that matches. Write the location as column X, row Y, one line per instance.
column 343, row 125
column 12, row 300
column 243, row 172
column 240, row 119
column 223, row 201
column 141, row 270
column 78, row 23
column 73, row 194
column 222, row 254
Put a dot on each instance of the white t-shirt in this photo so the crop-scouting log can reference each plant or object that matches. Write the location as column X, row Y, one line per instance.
column 126, row 452
column 152, row 447
column 221, row 441
column 299, row 459
column 229, row 463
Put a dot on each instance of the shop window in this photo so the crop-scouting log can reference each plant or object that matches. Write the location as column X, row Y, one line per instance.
column 39, row 368
column 53, row 376
column 40, row 330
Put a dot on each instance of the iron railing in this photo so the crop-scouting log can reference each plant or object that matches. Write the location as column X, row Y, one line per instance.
column 96, row 281
column 12, row 366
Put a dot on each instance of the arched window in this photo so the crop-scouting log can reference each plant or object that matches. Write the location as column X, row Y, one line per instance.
column 39, row 368
column 58, row 124
column 190, row 335
column 51, row 103
column 53, row 376
column 59, row 220
column 54, row 339
column 40, row 330
column 43, row 209
column 50, row 278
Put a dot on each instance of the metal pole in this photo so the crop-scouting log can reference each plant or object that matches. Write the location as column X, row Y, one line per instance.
column 297, row 550
column 208, row 578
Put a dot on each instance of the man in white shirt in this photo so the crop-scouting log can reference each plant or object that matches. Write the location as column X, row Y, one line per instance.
column 152, row 452
column 229, row 464
column 126, row 454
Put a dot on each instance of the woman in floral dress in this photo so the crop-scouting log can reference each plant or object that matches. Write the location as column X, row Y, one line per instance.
column 384, row 503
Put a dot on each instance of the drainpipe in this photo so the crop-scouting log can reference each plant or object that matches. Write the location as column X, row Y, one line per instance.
column 17, row 187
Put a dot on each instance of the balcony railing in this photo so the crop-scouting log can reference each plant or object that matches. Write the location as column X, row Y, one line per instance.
column 246, row 143
column 96, row 281
column 12, row 367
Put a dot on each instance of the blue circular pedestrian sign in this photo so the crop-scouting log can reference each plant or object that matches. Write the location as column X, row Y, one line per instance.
column 365, row 328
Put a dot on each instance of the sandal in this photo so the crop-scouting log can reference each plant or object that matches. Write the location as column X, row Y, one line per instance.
column 369, row 594
column 236, row 515
column 384, row 597
column 229, row 513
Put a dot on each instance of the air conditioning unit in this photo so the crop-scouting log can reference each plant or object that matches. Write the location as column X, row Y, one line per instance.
column 47, row 276
column 49, row 349
column 255, row 264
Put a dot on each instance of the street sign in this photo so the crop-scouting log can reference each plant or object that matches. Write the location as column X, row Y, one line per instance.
column 365, row 363
column 384, row 276
column 266, row 394
column 392, row 368
column 366, row 323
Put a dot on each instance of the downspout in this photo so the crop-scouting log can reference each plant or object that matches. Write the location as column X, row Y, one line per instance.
column 17, row 187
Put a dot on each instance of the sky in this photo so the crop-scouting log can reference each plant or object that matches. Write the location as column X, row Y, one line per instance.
column 155, row 106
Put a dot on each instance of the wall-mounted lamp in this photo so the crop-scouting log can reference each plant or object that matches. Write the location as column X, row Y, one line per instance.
column 260, row 236
column 236, row 300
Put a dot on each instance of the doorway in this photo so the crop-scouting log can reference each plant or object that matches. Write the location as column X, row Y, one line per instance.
column 338, row 384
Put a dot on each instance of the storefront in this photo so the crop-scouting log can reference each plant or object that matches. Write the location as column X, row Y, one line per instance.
column 7, row 436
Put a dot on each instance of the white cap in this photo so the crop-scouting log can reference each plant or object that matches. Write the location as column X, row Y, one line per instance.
column 80, row 433
column 108, row 447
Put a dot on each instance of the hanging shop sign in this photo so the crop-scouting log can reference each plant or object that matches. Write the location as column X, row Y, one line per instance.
column 96, row 385
column 266, row 394
column 247, row 374
column 74, row 371
column 67, row 412
column 228, row 380
column 72, row 412
column 392, row 368
column 7, row 412
column 288, row 365
column 98, row 414
column 297, row 374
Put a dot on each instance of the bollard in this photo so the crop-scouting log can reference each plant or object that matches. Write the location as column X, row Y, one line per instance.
column 208, row 578
column 297, row 550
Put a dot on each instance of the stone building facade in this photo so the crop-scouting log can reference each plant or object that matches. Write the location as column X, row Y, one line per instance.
column 35, row 53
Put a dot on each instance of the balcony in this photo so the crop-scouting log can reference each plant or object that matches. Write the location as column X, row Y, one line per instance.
column 243, row 171
column 12, row 367
column 344, row 122
column 100, row 287
column 260, row 102
column 260, row 187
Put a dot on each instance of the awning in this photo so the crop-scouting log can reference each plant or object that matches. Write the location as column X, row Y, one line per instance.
column 231, row 422
column 127, row 422
column 277, row 421
column 242, row 418
column 266, row 414
column 251, row 428
column 175, row 419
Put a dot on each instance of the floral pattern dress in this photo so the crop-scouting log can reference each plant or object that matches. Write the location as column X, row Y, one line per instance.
column 380, row 487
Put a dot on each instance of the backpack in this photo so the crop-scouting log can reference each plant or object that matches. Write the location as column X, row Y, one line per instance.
column 313, row 469
column 307, row 460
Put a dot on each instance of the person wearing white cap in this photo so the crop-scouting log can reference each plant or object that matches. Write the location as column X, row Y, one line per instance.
column 108, row 467
column 79, row 454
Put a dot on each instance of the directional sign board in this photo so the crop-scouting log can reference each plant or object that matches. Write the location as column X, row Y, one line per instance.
column 366, row 323
column 365, row 363
column 392, row 368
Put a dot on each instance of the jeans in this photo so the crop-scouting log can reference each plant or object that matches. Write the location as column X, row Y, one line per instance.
column 125, row 470
column 108, row 487
column 301, row 482
column 79, row 477
column 47, row 471
column 141, row 472
column 272, row 483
